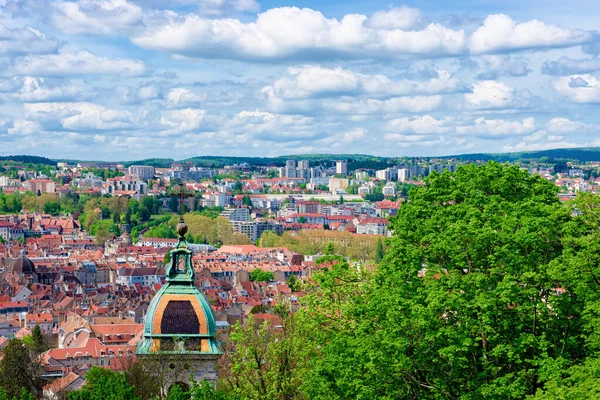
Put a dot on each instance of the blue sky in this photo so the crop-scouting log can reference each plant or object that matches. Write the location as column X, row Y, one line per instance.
column 130, row 79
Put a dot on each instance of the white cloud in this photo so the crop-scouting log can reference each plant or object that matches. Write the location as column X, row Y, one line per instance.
column 422, row 125
column 490, row 94
column 25, row 127
column 36, row 90
column 293, row 33
column 77, row 63
column 497, row 95
column 396, row 18
column 496, row 66
column 498, row 127
column 500, row 32
column 273, row 127
column 221, row 6
column 565, row 125
column 182, row 96
column 569, row 66
column 95, row 17
column 81, row 116
column 583, row 88
column 185, row 120
column 316, row 81
column 413, row 104
column 25, row 40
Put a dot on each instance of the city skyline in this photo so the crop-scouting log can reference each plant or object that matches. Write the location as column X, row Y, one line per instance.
column 123, row 80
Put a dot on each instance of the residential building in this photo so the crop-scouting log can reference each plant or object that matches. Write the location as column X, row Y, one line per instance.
column 389, row 189
column 403, row 174
column 254, row 229
column 237, row 214
column 143, row 172
column 384, row 174
column 338, row 185
column 144, row 276
column 341, row 167
column 40, row 185
column 372, row 226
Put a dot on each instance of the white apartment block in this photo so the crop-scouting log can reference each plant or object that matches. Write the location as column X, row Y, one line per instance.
column 384, row 174
column 341, row 167
column 236, row 214
column 254, row 229
column 215, row 200
column 144, row 172
column 403, row 174
column 389, row 189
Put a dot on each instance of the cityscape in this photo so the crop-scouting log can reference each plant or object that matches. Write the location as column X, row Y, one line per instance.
column 267, row 200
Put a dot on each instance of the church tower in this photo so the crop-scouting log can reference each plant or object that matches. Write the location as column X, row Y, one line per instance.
column 180, row 329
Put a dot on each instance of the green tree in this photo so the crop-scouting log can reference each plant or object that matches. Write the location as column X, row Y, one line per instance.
column 104, row 384
column 247, row 201
column 264, row 362
column 379, row 250
column 102, row 236
column 258, row 275
column 18, row 370
column 481, row 294
column 38, row 343
column 293, row 283
column 52, row 207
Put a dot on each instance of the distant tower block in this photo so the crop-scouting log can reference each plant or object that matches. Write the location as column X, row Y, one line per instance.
column 180, row 330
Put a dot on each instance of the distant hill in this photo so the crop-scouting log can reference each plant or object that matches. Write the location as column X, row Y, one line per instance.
column 583, row 154
column 355, row 161
column 28, row 160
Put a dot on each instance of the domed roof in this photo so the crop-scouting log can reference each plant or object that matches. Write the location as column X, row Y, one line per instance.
column 23, row 265
column 179, row 318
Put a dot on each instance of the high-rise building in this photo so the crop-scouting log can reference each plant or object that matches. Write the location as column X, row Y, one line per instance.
column 384, row 174
column 341, row 167
column 290, row 164
column 403, row 174
column 303, row 164
column 144, row 172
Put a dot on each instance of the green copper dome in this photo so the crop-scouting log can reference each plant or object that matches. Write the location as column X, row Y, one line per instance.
column 179, row 318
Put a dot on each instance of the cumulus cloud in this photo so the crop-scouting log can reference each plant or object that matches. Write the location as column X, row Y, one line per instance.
column 496, row 66
column 36, row 90
column 182, row 96
column 274, row 127
column 293, row 33
column 422, row 125
column 25, row 127
column 185, row 120
column 498, row 127
column 145, row 91
column 497, row 95
column 316, row 81
column 27, row 40
column 80, row 116
column 396, row 18
column 77, row 63
column 412, row 104
column 569, row 66
column 296, row 34
column 583, row 88
column 95, row 17
column 564, row 125
column 499, row 32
